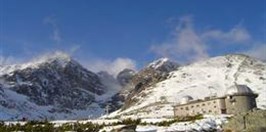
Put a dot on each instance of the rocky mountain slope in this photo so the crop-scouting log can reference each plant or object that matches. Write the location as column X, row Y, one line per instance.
column 53, row 86
column 132, row 82
column 155, row 72
column 201, row 79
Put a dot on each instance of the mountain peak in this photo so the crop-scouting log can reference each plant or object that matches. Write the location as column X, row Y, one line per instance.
column 159, row 62
column 163, row 64
column 56, row 56
column 59, row 58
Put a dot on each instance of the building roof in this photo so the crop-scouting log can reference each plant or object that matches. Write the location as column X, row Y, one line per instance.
column 186, row 99
column 238, row 90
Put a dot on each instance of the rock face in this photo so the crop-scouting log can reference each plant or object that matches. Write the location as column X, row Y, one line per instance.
column 133, row 82
column 55, row 80
column 125, row 76
column 253, row 121
column 153, row 73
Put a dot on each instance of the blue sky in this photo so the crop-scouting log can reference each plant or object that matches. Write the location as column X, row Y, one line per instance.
column 132, row 33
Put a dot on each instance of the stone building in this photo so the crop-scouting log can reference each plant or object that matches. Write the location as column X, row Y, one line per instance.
column 237, row 99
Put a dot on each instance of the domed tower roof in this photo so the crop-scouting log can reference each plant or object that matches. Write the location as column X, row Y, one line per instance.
column 185, row 99
column 239, row 90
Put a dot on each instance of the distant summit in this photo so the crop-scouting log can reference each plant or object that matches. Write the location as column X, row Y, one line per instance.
column 58, row 56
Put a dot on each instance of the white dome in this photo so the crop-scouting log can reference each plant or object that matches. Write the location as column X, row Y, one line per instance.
column 238, row 89
column 185, row 99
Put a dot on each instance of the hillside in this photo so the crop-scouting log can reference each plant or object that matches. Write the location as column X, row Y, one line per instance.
column 199, row 80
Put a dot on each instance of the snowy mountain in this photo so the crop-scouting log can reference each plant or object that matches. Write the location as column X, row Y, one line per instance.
column 153, row 73
column 53, row 86
column 131, row 81
column 57, row 87
column 201, row 79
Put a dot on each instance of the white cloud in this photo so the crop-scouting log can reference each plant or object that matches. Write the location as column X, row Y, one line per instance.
column 189, row 45
column 113, row 67
column 56, row 36
column 258, row 51
column 237, row 34
column 186, row 44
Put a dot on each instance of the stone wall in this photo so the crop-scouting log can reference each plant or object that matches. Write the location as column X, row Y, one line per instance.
column 238, row 104
column 253, row 121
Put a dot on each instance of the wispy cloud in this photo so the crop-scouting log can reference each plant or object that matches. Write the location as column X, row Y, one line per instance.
column 258, row 51
column 187, row 44
column 237, row 35
column 56, row 35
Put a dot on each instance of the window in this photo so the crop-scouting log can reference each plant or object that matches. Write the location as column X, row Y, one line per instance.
column 192, row 106
column 223, row 111
column 181, row 108
column 214, row 102
column 210, row 111
column 203, row 104
column 197, row 105
column 214, row 106
column 186, row 108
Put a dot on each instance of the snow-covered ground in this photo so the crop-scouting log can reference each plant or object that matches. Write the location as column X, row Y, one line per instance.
column 209, row 122
column 40, row 112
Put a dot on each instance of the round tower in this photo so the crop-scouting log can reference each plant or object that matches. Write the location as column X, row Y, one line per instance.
column 239, row 98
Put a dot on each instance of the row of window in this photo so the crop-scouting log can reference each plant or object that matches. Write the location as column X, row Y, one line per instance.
column 202, row 112
column 198, row 105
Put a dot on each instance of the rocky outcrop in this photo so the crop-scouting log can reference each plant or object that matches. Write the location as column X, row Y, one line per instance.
column 125, row 76
column 153, row 73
